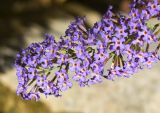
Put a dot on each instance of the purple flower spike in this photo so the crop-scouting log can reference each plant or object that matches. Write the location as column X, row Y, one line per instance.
column 117, row 46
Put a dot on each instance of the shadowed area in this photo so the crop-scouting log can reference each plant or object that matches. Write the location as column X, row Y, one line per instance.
column 10, row 103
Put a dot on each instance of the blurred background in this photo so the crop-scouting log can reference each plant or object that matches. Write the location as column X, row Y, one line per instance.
column 25, row 21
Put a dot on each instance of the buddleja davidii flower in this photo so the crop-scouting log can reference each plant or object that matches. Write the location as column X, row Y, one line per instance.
column 128, row 51
column 63, row 81
column 77, row 32
column 146, row 34
column 113, row 32
column 86, row 77
column 143, row 37
column 26, row 64
column 101, row 56
column 135, row 41
column 80, row 75
column 137, row 3
column 104, row 37
column 42, row 85
column 30, row 55
column 96, row 28
column 122, row 28
column 122, row 67
column 100, row 53
column 105, row 24
column 142, row 59
column 134, row 14
column 74, row 64
column 114, row 68
column 109, row 13
column 21, row 71
column 113, row 39
column 140, row 54
column 97, row 63
column 51, row 51
column 83, row 67
column 95, row 78
column 23, row 76
column 62, row 59
column 138, row 34
column 80, row 51
column 74, row 51
column 104, row 29
column 79, row 71
column 134, row 27
column 131, row 59
column 33, row 69
column 153, row 7
column 117, row 45
column 114, row 72
column 149, row 9
column 119, row 68
column 96, row 74
column 150, row 59
column 22, row 91
column 108, row 26
column 129, row 68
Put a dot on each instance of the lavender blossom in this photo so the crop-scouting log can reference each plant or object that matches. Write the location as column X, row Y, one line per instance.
column 82, row 55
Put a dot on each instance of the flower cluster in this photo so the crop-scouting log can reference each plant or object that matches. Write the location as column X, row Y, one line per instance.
column 117, row 46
